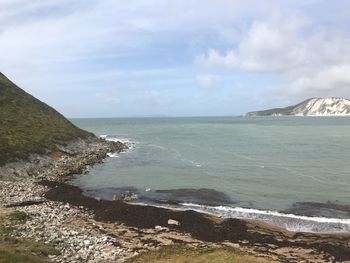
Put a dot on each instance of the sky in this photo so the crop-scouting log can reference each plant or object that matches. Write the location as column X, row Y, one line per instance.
column 114, row 58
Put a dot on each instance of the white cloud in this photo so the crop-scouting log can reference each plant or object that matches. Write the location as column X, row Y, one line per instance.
column 109, row 97
column 148, row 98
column 305, row 57
column 268, row 46
column 326, row 81
column 85, row 46
column 59, row 30
column 214, row 59
column 209, row 80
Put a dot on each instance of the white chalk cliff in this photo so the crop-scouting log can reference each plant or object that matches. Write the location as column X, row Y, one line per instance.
column 311, row 107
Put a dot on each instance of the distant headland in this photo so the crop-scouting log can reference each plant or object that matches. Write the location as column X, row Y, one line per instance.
column 333, row 106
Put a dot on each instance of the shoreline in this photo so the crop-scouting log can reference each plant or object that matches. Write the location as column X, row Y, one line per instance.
column 147, row 226
column 201, row 226
column 310, row 217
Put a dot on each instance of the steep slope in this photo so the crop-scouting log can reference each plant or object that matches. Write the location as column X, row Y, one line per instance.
column 311, row 107
column 28, row 125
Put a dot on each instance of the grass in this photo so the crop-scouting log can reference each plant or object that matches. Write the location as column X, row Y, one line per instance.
column 183, row 254
column 21, row 250
column 28, row 125
column 18, row 216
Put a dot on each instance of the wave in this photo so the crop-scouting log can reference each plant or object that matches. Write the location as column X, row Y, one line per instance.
column 131, row 144
column 113, row 138
column 114, row 155
column 217, row 203
column 290, row 222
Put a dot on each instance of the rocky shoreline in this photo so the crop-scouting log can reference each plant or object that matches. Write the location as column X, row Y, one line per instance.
column 56, row 222
column 73, row 229
column 86, row 229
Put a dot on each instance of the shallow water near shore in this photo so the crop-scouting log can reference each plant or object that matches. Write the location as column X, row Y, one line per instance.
column 289, row 171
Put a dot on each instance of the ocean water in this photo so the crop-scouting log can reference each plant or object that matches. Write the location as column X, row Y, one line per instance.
column 293, row 172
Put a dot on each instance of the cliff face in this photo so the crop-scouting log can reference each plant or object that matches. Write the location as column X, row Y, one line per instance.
column 28, row 125
column 310, row 107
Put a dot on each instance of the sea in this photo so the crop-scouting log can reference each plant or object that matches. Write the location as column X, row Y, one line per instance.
column 291, row 172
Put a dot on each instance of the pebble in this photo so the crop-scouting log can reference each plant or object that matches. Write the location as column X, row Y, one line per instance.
column 55, row 222
column 173, row 222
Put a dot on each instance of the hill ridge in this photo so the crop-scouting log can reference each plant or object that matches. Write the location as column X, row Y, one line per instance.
column 28, row 125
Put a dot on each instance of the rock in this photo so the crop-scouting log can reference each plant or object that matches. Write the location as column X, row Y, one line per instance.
column 173, row 222
column 161, row 228
column 33, row 201
column 116, row 198
column 99, row 199
column 125, row 197
column 130, row 197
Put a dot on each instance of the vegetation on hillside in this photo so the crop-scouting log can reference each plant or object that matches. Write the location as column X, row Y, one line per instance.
column 28, row 125
column 282, row 111
column 20, row 250
column 183, row 254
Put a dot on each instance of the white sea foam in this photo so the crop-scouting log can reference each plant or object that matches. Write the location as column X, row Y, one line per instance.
column 112, row 138
column 180, row 157
column 273, row 213
column 116, row 139
column 290, row 222
column 112, row 154
column 127, row 141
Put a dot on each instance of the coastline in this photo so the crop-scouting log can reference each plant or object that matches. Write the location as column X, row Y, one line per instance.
column 248, row 233
column 92, row 230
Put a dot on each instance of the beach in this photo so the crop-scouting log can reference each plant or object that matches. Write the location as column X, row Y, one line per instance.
column 174, row 131
column 88, row 229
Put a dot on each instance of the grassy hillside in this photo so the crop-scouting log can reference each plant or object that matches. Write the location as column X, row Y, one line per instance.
column 276, row 111
column 282, row 111
column 182, row 254
column 28, row 125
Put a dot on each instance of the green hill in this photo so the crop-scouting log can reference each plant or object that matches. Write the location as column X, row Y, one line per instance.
column 28, row 125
